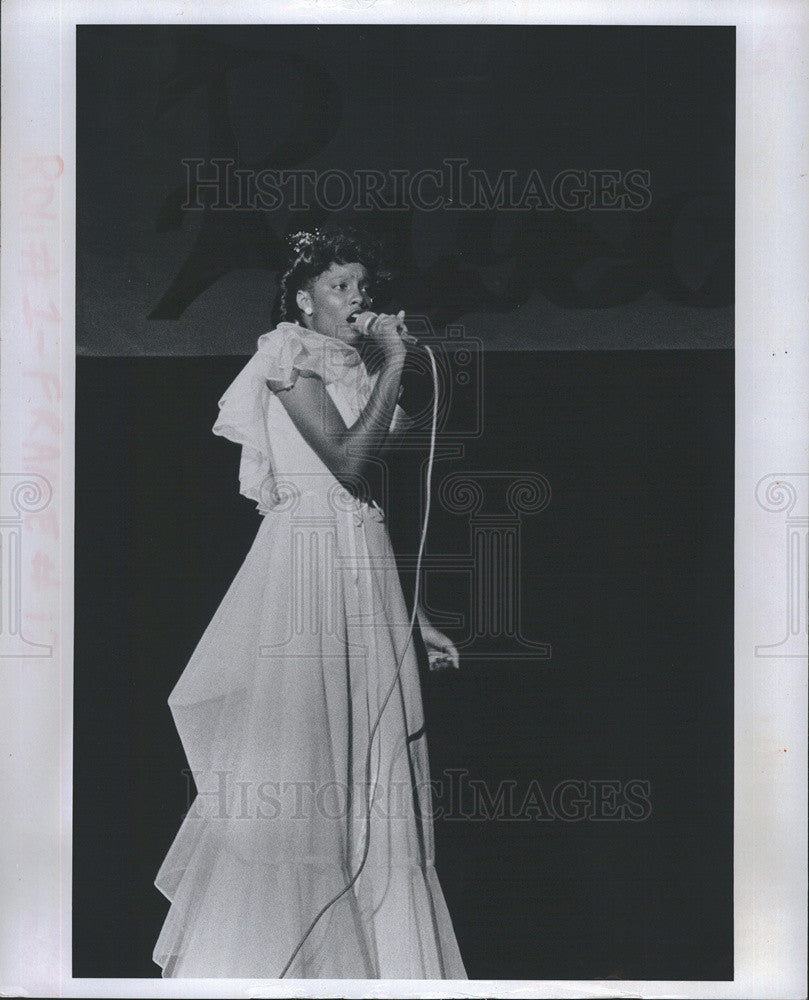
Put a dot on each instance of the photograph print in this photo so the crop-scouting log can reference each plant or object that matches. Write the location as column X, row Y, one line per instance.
column 404, row 502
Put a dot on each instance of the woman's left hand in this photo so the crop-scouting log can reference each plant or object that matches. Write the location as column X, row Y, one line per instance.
column 441, row 651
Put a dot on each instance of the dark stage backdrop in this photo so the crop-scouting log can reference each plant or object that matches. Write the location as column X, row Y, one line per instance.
column 607, row 342
column 155, row 278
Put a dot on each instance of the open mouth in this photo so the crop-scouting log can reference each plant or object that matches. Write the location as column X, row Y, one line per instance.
column 352, row 318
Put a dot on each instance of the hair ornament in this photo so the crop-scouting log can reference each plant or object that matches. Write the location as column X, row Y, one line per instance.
column 303, row 241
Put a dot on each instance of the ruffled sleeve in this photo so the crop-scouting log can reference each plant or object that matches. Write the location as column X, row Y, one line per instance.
column 281, row 357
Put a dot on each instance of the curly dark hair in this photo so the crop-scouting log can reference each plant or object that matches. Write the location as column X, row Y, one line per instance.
column 315, row 252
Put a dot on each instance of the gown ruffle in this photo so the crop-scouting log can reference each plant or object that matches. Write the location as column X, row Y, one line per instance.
column 274, row 711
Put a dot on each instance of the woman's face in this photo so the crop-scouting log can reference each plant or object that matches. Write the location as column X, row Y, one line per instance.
column 333, row 298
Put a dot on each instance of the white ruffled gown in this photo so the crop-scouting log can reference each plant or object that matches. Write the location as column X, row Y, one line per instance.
column 274, row 711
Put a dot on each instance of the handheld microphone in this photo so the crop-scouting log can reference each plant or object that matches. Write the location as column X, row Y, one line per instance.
column 365, row 321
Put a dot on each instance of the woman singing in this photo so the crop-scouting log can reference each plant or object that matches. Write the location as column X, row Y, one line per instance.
column 291, row 861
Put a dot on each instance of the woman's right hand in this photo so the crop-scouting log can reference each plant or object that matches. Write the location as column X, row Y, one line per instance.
column 386, row 332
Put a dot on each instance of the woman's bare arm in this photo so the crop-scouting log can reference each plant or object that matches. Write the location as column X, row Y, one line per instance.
column 348, row 452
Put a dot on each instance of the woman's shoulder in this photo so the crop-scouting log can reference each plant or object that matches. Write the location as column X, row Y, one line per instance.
column 290, row 350
column 281, row 335
column 293, row 336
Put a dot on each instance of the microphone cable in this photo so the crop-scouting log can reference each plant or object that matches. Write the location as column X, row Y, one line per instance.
column 367, row 782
